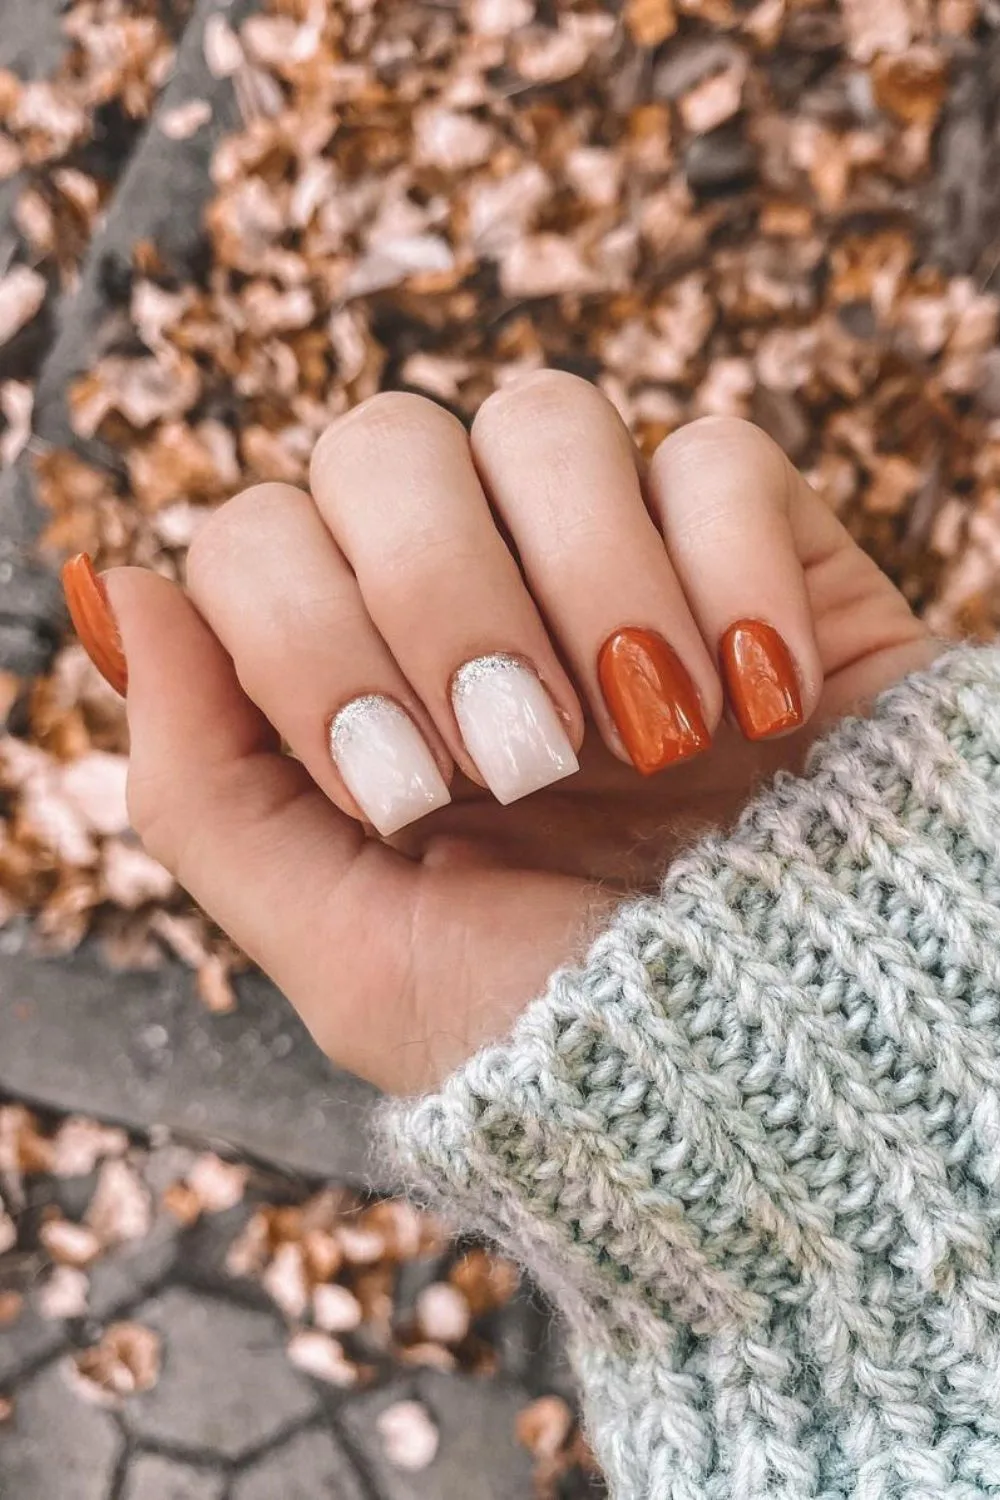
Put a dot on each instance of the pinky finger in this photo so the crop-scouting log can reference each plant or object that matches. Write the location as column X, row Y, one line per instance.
column 729, row 504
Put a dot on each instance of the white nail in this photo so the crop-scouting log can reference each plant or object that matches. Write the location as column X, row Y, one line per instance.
column 510, row 727
column 385, row 763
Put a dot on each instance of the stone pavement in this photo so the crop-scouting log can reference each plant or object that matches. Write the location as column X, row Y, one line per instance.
column 230, row 1417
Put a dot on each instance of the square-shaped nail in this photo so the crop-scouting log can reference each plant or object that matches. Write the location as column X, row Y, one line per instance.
column 761, row 680
column 510, row 726
column 652, row 699
column 385, row 763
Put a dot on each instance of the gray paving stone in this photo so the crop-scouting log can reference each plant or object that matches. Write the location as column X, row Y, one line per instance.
column 140, row 1048
column 26, row 1342
column 309, row 1467
column 153, row 1478
column 479, row 1457
column 32, row 42
column 226, row 1386
column 57, row 1445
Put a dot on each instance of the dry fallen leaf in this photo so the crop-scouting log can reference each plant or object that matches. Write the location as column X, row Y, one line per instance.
column 323, row 1357
column 408, row 1435
column 442, row 1313
column 125, row 1362
column 69, row 1244
column 64, row 1294
column 11, row 1307
column 121, row 1208
column 285, row 1281
column 17, row 400
column 485, row 1281
column 22, row 292
column 79, row 1144
column 336, row 1309
column 544, row 1426
column 184, row 120
column 217, row 1184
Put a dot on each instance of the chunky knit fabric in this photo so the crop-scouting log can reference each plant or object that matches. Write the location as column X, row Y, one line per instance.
column 752, row 1148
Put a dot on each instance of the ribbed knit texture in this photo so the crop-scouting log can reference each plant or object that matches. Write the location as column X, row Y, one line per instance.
column 752, row 1148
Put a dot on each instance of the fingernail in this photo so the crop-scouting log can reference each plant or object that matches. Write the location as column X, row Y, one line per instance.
column 510, row 727
column 93, row 621
column 760, row 678
column 385, row 763
column 652, row 699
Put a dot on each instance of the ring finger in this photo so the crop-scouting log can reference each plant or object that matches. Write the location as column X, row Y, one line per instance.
column 559, row 466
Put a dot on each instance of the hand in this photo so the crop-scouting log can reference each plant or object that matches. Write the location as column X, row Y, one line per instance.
column 523, row 550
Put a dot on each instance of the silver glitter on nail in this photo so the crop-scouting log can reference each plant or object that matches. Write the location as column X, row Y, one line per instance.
column 482, row 668
column 355, row 717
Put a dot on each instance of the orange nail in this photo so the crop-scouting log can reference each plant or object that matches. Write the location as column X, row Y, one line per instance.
column 652, row 700
column 760, row 679
column 90, row 611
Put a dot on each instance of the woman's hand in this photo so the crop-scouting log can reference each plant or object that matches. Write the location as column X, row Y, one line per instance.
column 446, row 613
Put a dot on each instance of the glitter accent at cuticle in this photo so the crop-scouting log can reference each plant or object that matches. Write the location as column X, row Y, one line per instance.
column 356, row 715
column 483, row 667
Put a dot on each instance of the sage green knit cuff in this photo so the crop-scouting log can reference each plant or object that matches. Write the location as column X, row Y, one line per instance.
column 774, row 1069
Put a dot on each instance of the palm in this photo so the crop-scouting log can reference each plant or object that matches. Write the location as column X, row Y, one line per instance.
column 504, row 894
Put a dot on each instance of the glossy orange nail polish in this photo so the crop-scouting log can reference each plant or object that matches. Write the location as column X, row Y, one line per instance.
column 87, row 601
column 761, row 680
column 652, row 699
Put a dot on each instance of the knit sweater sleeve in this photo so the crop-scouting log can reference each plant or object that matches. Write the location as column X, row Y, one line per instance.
column 752, row 1146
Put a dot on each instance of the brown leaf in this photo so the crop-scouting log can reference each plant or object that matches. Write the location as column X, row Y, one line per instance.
column 913, row 85
column 214, row 984
column 650, row 22
column 11, row 1307
column 121, row 1208
column 69, row 1244
column 17, row 401
column 335, row 1309
column 544, row 1426
column 79, row 1144
column 22, row 292
column 485, row 1281
column 124, row 1363
column 319, row 1355
column 64, row 1294
column 185, row 120
column 442, row 1313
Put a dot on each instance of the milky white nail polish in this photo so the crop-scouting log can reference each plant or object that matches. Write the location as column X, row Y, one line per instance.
column 385, row 763
column 510, row 727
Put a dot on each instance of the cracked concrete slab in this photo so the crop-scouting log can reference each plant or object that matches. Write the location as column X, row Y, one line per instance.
column 226, row 1385
column 55, row 1434
column 141, row 1049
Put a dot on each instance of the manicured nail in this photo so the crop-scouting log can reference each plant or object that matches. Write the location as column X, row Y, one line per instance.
column 385, row 763
column 760, row 678
column 510, row 727
column 90, row 611
column 652, row 699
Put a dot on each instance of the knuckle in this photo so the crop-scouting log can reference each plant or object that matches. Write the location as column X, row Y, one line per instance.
column 716, row 439
column 226, row 532
column 544, row 402
column 390, row 418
